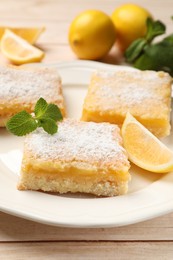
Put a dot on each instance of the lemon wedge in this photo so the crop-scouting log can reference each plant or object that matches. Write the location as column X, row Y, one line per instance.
column 29, row 34
column 18, row 50
column 144, row 149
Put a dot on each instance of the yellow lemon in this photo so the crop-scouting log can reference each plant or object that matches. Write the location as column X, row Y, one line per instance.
column 144, row 149
column 130, row 23
column 91, row 35
column 29, row 34
column 19, row 51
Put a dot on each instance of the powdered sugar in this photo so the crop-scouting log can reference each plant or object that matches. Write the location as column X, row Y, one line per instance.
column 129, row 88
column 85, row 142
column 27, row 85
column 127, row 93
column 136, row 74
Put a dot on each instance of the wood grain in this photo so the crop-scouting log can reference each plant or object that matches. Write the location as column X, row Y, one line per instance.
column 16, row 229
column 56, row 16
column 88, row 250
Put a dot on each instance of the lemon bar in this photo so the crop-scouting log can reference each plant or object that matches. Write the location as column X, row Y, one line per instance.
column 145, row 94
column 82, row 157
column 21, row 87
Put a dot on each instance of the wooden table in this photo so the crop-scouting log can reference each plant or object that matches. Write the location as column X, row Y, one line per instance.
column 21, row 239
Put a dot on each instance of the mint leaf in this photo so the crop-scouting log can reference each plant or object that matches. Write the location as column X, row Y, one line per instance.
column 53, row 112
column 46, row 116
column 43, row 109
column 40, row 107
column 168, row 40
column 152, row 56
column 21, row 124
column 156, row 57
column 49, row 125
column 135, row 49
column 154, row 28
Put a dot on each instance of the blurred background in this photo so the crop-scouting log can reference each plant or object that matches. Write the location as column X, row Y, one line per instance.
column 57, row 15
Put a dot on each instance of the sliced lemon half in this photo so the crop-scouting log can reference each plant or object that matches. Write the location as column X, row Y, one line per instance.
column 18, row 50
column 29, row 34
column 144, row 149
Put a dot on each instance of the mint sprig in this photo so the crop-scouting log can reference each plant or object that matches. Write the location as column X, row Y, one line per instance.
column 154, row 29
column 46, row 116
column 137, row 48
column 145, row 54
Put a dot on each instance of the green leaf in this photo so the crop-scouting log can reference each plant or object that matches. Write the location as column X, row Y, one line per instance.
column 154, row 28
column 46, row 116
column 135, row 49
column 43, row 109
column 40, row 107
column 53, row 112
column 21, row 124
column 157, row 57
column 168, row 40
column 49, row 125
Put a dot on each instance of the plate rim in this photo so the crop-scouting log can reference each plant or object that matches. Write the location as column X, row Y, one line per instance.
column 167, row 208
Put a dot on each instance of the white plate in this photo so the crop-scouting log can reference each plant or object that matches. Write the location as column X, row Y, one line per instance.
column 149, row 195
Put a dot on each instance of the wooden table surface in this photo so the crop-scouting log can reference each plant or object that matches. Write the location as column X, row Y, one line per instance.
column 21, row 239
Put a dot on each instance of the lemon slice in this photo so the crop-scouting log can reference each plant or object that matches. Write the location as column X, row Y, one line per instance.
column 18, row 50
column 29, row 34
column 144, row 149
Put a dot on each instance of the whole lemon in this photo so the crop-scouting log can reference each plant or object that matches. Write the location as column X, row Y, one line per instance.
column 130, row 23
column 92, row 34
